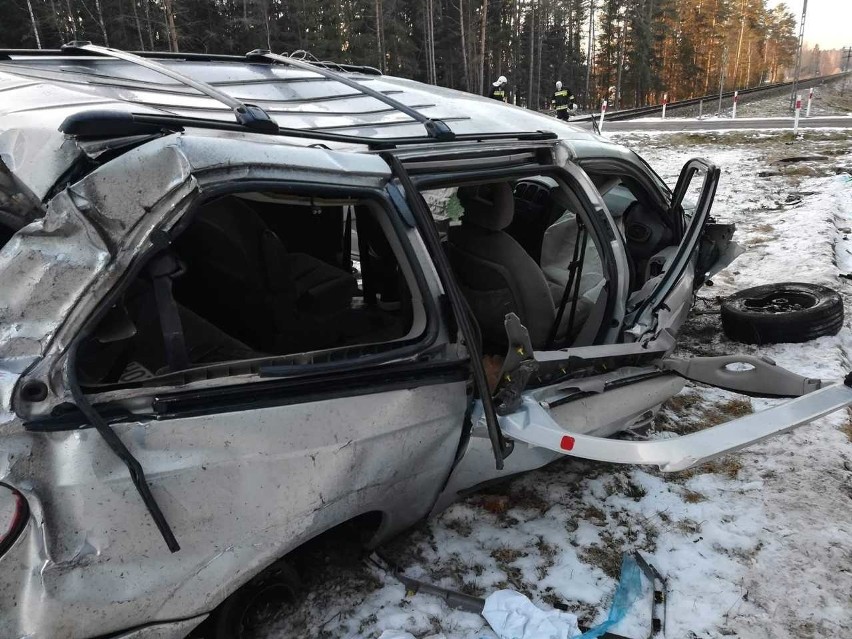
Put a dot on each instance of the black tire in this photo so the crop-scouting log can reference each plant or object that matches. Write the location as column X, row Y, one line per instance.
column 245, row 613
column 786, row 312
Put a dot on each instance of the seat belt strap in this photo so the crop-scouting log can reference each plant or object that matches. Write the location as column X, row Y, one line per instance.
column 346, row 262
column 572, row 275
column 575, row 298
column 162, row 270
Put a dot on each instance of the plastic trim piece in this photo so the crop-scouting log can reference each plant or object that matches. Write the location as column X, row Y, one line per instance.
column 534, row 425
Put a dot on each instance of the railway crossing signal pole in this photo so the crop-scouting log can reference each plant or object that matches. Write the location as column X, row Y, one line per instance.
column 799, row 54
column 798, row 108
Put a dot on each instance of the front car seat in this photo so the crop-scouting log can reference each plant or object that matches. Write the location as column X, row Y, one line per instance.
column 496, row 274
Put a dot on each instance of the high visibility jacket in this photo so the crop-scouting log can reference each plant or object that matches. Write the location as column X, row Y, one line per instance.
column 498, row 93
column 562, row 100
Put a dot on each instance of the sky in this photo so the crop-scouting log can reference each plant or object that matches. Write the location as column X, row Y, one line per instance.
column 828, row 21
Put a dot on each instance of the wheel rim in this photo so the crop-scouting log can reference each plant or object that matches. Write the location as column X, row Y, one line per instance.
column 780, row 302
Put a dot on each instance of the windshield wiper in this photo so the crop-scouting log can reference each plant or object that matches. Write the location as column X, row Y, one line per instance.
column 249, row 116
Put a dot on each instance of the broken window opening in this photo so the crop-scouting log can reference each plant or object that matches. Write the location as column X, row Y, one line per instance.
column 513, row 246
column 256, row 279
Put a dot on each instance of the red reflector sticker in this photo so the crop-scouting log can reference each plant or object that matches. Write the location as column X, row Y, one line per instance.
column 567, row 443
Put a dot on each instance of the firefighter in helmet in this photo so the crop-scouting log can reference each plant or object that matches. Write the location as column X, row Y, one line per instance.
column 498, row 89
column 563, row 101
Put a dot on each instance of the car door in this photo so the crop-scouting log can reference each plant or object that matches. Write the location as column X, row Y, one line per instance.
column 609, row 388
column 569, row 401
column 668, row 300
column 239, row 461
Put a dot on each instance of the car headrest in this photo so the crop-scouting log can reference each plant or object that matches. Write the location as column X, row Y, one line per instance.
column 491, row 206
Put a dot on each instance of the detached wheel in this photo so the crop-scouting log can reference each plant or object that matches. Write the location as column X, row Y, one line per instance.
column 246, row 613
column 786, row 312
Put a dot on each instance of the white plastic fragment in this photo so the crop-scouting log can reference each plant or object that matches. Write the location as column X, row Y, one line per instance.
column 513, row 616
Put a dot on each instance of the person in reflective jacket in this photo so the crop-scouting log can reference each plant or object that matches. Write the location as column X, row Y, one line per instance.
column 563, row 101
column 498, row 89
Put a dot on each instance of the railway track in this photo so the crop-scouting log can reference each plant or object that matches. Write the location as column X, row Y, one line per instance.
column 638, row 112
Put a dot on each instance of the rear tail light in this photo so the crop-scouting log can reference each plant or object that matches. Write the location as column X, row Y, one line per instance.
column 14, row 513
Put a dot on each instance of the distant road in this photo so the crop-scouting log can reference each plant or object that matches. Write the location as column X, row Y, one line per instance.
column 718, row 124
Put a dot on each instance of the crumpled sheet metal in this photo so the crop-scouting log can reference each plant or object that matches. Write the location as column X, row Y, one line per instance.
column 38, row 155
column 45, row 268
column 18, row 204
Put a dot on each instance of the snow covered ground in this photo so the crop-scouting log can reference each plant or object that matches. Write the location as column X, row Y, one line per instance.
column 755, row 545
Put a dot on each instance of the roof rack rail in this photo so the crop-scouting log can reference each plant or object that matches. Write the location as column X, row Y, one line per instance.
column 247, row 115
column 7, row 54
column 99, row 122
column 436, row 129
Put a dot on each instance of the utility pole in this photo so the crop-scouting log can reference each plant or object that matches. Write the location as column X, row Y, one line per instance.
column 847, row 52
column 799, row 54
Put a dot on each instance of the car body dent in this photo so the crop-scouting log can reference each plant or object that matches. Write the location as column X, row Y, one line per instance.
column 257, row 465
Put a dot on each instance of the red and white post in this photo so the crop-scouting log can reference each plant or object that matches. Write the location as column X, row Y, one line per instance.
column 810, row 97
column 603, row 111
column 736, row 99
column 665, row 102
column 796, row 116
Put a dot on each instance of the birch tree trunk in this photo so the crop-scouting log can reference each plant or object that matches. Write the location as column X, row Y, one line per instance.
column 170, row 25
column 482, row 34
column 73, row 18
column 57, row 23
column 35, row 26
column 463, row 46
column 138, row 25
column 431, row 22
column 148, row 21
column 532, row 58
column 380, row 35
column 739, row 43
column 101, row 22
column 266, row 12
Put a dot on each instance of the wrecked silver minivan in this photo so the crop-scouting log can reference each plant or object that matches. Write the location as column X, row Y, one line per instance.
column 247, row 300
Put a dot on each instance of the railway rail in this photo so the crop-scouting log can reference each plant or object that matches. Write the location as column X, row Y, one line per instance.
column 638, row 112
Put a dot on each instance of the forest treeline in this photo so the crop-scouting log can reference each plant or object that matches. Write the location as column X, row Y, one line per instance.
column 638, row 49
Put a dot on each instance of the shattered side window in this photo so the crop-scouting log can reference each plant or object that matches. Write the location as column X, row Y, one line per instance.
column 259, row 277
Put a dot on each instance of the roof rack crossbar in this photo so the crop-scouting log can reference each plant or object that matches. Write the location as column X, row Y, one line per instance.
column 248, row 115
column 142, row 85
column 436, row 129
